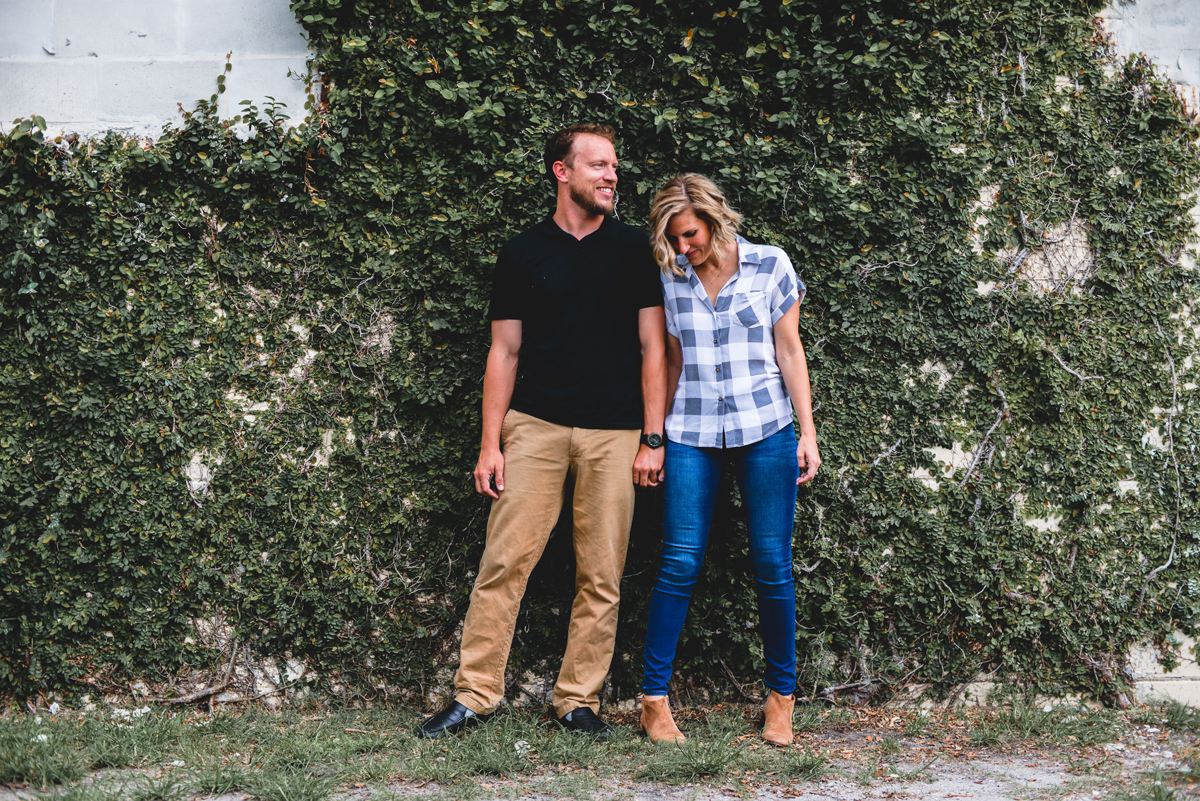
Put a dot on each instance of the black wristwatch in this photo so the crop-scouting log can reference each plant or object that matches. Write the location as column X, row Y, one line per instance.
column 652, row 440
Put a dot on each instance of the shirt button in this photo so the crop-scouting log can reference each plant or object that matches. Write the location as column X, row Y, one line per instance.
column 718, row 369
column 715, row 342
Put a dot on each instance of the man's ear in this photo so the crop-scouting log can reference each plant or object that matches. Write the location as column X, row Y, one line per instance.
column 560, row 171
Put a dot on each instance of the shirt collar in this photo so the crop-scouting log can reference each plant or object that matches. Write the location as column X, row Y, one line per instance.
column 552, row 230
column 747, row 252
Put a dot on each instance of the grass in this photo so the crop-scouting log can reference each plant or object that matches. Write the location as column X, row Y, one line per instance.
column 434, row 768
column 890, row 746
column 168, row 787
column 808, row 717
column 559, row 747
column 1154, row 788
column 87, row 792
column 694, row 759
column 918, row 725
column 707, row 752
column 124, row 742
column 37, row 752
column 290, row 756
column 1170, row 714
column 215, row 776
column 297, row 750
column 290, row 785
column 917, row 772
column 373, row 769
column 804, row 766
column 1063, row 725
column 1182, row 717
column 501, row 748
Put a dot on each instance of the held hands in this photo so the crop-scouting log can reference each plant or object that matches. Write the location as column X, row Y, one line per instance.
column 808, row 458
column 490, row 466
column 648, row 466
column 647, row 470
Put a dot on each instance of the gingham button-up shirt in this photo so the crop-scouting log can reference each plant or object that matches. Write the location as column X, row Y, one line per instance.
column 731, row 392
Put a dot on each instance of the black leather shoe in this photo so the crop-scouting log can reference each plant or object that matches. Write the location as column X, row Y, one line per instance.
column 584, row 721
column 450, row 720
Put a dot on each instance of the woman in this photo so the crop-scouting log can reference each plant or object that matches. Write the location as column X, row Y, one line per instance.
column 734, row 360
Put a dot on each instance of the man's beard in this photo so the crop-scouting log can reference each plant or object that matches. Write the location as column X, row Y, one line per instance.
column 590, row 204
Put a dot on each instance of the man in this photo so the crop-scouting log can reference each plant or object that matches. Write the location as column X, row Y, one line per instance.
column 578, row 297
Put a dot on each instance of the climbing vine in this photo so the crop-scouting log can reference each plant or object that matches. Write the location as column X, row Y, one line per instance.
column 240, row 365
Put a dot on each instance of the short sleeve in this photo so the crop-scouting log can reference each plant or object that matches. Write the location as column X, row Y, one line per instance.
column 786, row 289
column 506, row 302
column 669, row 305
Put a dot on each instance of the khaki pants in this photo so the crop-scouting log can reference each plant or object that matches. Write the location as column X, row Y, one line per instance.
column 537, row 458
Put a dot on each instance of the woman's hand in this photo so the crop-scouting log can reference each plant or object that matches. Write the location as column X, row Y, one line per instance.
column 793, row 365
column 808, row 458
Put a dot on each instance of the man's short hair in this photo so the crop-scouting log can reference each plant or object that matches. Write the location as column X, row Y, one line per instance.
column 558, row 146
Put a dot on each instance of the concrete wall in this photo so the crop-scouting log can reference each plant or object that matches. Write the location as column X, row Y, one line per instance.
column 1168, row 31
column 93, row 65
column 1181, row 684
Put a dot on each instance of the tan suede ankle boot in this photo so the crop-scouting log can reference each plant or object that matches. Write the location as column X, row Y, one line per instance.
column 777, row 719
column 657, row 721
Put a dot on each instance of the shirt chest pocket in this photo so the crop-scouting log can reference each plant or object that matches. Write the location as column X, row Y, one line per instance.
column 750, row 309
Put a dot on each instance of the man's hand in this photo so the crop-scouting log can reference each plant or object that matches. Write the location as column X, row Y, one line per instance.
column 808, row 458
column 490, row 464
column 648, row 466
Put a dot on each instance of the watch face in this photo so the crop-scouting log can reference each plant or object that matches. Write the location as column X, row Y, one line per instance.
column 654, row 440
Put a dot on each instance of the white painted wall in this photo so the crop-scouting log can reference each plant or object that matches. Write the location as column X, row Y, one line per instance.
column 91, row 66
column 1168, row 31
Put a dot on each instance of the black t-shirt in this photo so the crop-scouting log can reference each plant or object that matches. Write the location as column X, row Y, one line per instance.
column 578, row 301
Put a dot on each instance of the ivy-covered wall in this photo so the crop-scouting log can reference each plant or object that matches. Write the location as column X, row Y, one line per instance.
column 240, row 367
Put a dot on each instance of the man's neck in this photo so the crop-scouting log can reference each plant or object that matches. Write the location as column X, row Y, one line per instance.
column 574, row 220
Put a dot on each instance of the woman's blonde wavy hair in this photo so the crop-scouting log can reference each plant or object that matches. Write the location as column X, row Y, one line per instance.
column 691, row 191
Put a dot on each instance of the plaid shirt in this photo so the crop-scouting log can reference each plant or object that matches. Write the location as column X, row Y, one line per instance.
column 731, row 392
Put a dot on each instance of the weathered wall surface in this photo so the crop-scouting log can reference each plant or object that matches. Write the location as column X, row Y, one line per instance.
column 93, row 65
column 1168, row 32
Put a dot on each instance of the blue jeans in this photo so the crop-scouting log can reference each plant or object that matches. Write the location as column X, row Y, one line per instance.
column 766, row 473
